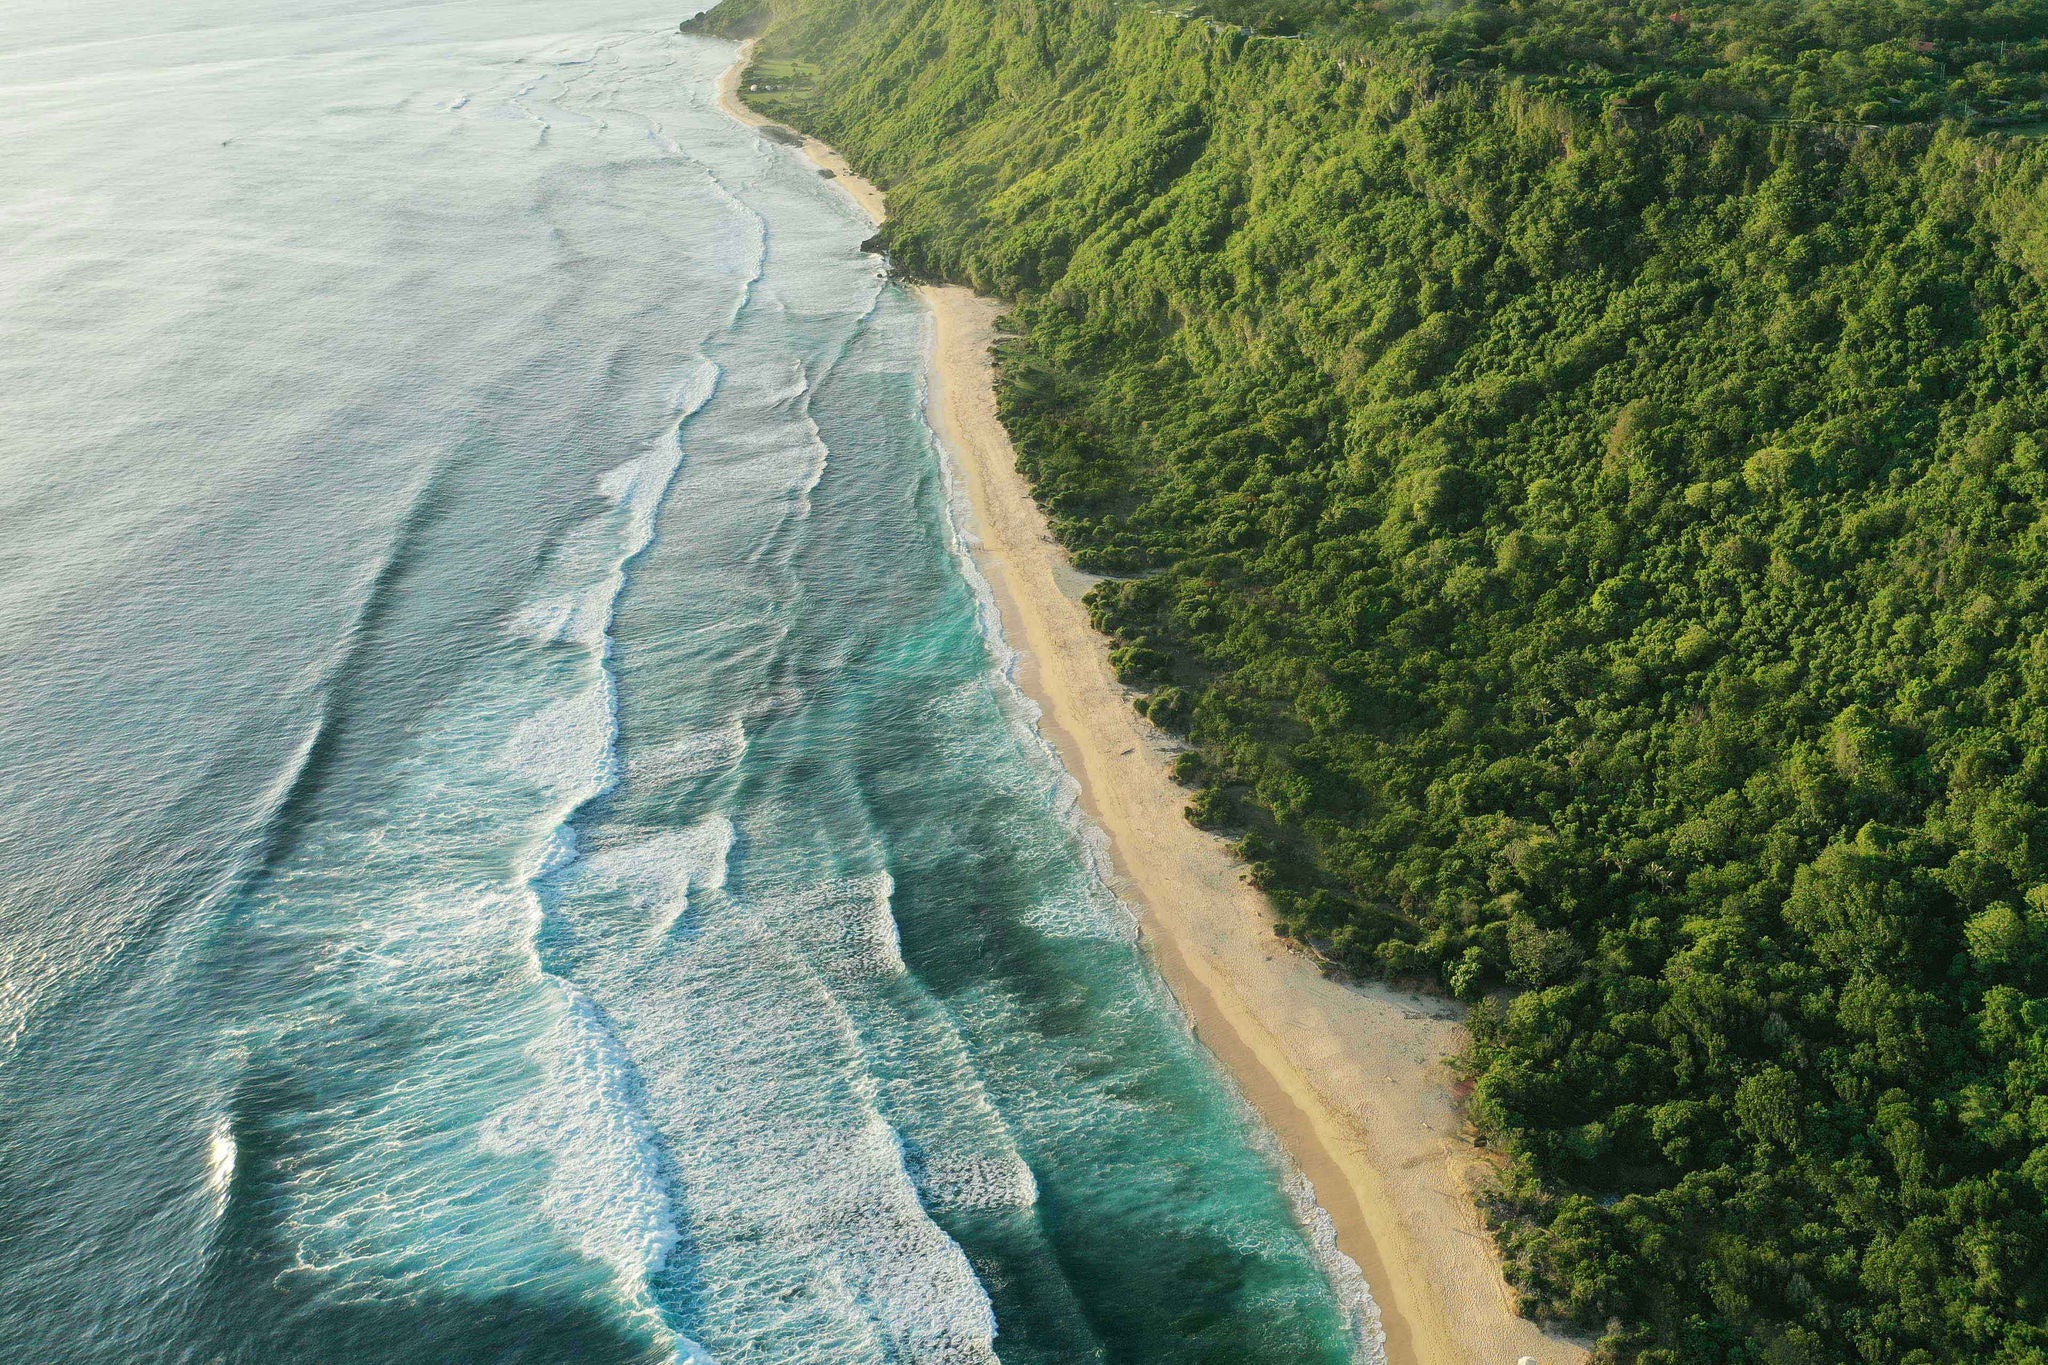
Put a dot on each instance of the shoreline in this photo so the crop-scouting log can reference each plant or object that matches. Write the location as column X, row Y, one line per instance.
column 819, row 154
column 1350, row 1080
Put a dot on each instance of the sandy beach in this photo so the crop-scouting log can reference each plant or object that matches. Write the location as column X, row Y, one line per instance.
column 824, row 157
column 1352, row 1080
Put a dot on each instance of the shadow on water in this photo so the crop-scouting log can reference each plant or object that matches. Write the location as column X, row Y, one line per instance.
column 259, row 1303
column 422, row 1329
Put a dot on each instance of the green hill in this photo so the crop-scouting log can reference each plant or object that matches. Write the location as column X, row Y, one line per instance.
column 1586, row 512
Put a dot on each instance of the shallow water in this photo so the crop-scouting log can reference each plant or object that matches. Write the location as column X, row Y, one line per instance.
column 516, row 839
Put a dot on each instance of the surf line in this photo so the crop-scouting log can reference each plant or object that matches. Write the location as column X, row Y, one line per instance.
column 609, row 1186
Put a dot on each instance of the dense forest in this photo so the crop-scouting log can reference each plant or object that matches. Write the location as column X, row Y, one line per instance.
column 1864, row 61
column 1596, row 547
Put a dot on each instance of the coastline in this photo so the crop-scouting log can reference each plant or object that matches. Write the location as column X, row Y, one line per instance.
column 819, row 154
column 1351, row 1080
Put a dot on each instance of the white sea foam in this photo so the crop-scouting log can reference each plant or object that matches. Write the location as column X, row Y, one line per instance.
column 960, row 1152
column 220, row 1163
column 699, row 753
column 820, row 453
column 802, row 1199
column 658, row 875
column 973, row 1180
column 807, row 1224
column 575, row 618
column 798, row 1185
column 566, row 749
column 847, row 927
column 590, row 564
column 1354, row 1295
column 555, row 853
column 620, row 481
column 915, row 1280
column 809, row 384
column 605, row 1184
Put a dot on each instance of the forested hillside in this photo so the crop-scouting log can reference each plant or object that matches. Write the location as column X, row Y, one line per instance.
column 1866, row 61
column 1596, row 548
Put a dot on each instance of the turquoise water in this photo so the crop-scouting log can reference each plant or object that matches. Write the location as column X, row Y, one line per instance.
column 516, row 839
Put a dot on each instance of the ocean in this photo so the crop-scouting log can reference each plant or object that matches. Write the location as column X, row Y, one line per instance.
column 518, row 841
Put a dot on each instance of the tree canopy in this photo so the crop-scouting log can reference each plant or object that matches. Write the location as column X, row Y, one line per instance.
column 1864, row 61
